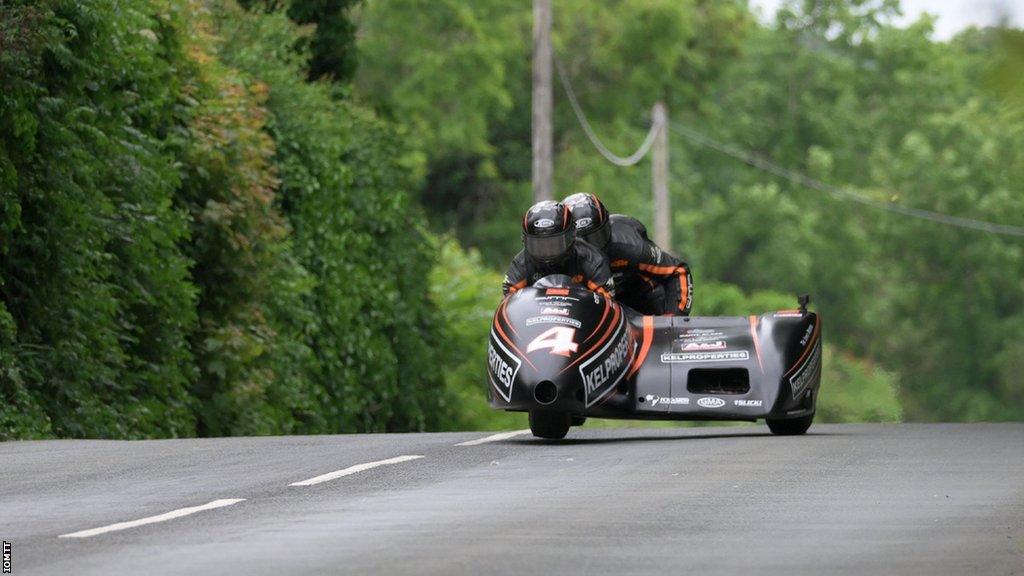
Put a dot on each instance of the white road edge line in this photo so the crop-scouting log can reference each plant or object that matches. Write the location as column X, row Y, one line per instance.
column 495, row 438
column 153, row 519
column 353, row 470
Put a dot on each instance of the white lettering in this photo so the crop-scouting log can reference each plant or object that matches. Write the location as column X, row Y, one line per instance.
column 705, row 356
column 597, row 377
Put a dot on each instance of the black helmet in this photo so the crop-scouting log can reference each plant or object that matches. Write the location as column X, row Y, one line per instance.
column 590, row 218
column 547, row 232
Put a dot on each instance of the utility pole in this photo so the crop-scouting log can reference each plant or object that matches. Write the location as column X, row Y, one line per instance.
column 659, row 179
column 542, row 101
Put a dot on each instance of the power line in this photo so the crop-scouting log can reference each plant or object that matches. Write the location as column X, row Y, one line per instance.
column 842, row 193
column 608, row 154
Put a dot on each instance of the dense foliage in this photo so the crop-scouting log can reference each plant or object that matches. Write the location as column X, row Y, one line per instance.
column 342, row 187
column 93, row 278
column 251, row 346
column 195, row 240
column 331, row 46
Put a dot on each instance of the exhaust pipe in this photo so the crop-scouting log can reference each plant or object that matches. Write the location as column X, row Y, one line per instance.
column 545, row 392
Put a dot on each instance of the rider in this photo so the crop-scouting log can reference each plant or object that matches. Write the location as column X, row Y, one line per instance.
column 550, row 247
column 649, row 280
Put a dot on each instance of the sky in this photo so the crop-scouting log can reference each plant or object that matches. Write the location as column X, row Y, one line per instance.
column 954, row 15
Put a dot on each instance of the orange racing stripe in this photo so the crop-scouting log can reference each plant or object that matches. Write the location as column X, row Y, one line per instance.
column 504, row 314
column 645, row 346
column 659, row 270
column 611, row 328
column 599, row 322
column 685, row 300
column 810, row 346
column 508, row 341
column 757, row 344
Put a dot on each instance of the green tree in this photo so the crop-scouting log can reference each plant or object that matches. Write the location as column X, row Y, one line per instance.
column 344, row 190
column 251, row 343
column 331, row 46
column 93, row 278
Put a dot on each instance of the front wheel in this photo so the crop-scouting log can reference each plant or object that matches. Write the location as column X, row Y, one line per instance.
column 790, row 426
column 550, row 425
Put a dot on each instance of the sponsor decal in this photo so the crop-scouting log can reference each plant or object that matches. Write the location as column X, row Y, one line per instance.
column 655, row 400
column 809, row 371
column 695, row 332
column 787, row 314
column 553, row 320
column 701, row 346
column 504, row 366
column 558, row 311
column 746, row 402
column 544, row 223
column 597, row 299
column 584, row 222
column 702, row 335
column 738, row 355
column 807, row 335
column 557, row 300
column 710, row 402
column 602, row 372
column 656, row 254
column 556, row 291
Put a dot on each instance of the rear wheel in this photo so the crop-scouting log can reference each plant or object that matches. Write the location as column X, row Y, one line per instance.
column 550, row 425
column 790, row 426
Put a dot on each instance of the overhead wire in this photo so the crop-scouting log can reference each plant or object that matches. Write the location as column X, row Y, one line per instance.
column 770, row 167
column 842, row 193
column 592, row 136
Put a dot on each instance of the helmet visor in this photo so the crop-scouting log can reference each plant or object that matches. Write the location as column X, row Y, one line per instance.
column 600, row 236
column 548, row 248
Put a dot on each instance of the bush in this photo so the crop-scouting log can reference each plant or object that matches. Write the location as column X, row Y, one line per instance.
column 194, row 240
column 344, row 190
column 251, row 346
column 92, row 275
column 856, row 390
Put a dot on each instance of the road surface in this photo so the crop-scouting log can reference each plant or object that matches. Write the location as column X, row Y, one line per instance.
column 845, row 499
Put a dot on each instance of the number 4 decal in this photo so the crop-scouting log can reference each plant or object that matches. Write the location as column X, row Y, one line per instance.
column 559, row 339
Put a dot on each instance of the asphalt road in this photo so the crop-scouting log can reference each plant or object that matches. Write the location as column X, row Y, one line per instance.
column 858, row 499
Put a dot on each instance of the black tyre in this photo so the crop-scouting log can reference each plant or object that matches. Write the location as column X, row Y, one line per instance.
column 790, row 426
column 579, row 420
column 550, row 425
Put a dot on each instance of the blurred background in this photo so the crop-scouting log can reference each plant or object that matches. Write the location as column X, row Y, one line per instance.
column 275, row 216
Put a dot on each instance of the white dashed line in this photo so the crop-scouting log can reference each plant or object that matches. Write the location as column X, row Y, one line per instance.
column 494, row 438
column 152, row 519
column 353, row 470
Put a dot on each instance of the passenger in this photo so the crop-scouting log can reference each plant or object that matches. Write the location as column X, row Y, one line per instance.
column 647, row 278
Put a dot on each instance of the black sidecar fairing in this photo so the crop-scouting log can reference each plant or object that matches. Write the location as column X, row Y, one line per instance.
column 559, row 347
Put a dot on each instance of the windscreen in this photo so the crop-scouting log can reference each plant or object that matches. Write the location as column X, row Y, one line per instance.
column 548, row 248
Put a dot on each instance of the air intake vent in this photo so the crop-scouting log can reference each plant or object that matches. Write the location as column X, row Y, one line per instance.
column 718, row 381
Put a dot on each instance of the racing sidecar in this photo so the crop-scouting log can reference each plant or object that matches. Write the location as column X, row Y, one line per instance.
column 564, row 353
